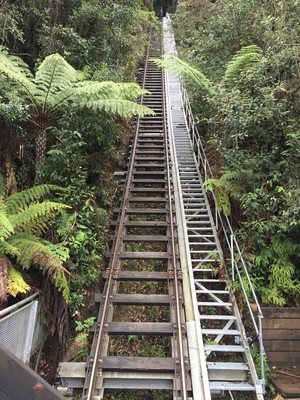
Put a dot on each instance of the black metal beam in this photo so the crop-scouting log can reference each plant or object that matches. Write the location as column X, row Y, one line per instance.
column 19, row 382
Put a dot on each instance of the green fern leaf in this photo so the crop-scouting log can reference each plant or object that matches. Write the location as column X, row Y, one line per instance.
column 20, row 200
column 243, row 60
column 18, row 71
column 16, row 283
column 6, row 228
column 9, row 250
column 221, row 194
column 187, row 72
column 33, row 251
column 33, row 214
column 123, row 108
column 53, row 75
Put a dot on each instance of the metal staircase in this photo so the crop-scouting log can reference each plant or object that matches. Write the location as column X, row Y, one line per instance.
column 222, row 340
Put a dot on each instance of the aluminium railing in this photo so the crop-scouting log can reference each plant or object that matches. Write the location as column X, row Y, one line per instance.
column 239, row 270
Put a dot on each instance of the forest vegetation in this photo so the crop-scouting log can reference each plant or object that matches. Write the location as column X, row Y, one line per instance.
column 68, row 88
column 241, row 60
column 68, row 78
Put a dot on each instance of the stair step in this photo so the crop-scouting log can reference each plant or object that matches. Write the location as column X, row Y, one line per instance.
column 224, row 348
column 144, row 255
column 212, row 291
column 214, row 304
column 240, row 386
column 232, row 332
column 137, row 299
column 140, row 328
column 231, row 371
column 227, row 366
column 218, row 317
column 209, row 280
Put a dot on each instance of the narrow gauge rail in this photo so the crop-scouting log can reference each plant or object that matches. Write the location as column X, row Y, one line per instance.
column 144, row 250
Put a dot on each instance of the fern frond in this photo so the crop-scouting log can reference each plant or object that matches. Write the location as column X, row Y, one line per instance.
column 123, row 108
column 186, row 71
column 16, row 283
column 8, row 250
column 28, row 246
column 53, row 267
column 34, row 214
column 34, row 251
column 6, row 228
column 21, row 200
column 53, row 75
column 17, row 71
column 91, row 90
column 243, row 60
column 221, row 194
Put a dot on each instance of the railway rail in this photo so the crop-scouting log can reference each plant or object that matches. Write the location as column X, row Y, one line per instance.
column 166, row 285
column 144, row 256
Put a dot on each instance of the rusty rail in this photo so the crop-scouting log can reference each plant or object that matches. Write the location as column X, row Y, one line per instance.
column 148, row 193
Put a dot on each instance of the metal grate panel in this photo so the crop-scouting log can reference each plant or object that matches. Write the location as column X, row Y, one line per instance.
column 17, row 330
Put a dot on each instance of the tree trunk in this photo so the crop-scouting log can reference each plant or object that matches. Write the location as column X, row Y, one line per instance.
column 11, row 182
column 40, row 149
column 4, row 266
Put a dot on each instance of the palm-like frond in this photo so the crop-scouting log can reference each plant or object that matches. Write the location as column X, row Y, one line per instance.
column 53, row 76
column 9, row 250
column 17, row 71
column 28, row 245
column 244, row 59
column 20, row 200
column 6, row 228
column 33, row 251
column 123, row 108
column 32, row 217
column 16, row 282
column 186, row 71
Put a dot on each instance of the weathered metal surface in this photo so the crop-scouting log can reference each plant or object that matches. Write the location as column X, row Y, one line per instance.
column 19, row 382
column 144, row 240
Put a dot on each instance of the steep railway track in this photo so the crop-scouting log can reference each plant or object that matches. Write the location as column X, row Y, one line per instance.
column 144, row 268
column 168, row 317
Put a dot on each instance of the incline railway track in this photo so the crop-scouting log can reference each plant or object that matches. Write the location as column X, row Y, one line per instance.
column 144, row 268
column 168, row 317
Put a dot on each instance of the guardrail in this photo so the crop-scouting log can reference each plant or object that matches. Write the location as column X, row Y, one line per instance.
column 239, row 270
column 20, row 328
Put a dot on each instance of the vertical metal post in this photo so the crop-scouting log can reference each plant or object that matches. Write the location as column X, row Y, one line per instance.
column 232, row 257
column 261, row 348
column 30, row 331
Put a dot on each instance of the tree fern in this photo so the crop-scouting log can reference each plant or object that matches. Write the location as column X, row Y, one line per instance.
column 230, row 183
column 34, row 251
column 17, row 71
column 277, row 261
column 22, row 218
column 124, row 108
column 31, row 215
column 57, row 86
column 188, row 73
column 244, row 59
column 217, row 186
column 6, row 227
column 16, row 283
column 20, row 200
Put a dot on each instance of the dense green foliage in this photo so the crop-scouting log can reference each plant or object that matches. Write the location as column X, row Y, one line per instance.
column 23, row 220
column 62, row 110
column 249, row 51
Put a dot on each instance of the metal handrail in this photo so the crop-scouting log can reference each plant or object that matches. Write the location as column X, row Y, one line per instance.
column 239, row 269
column 16, row 306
